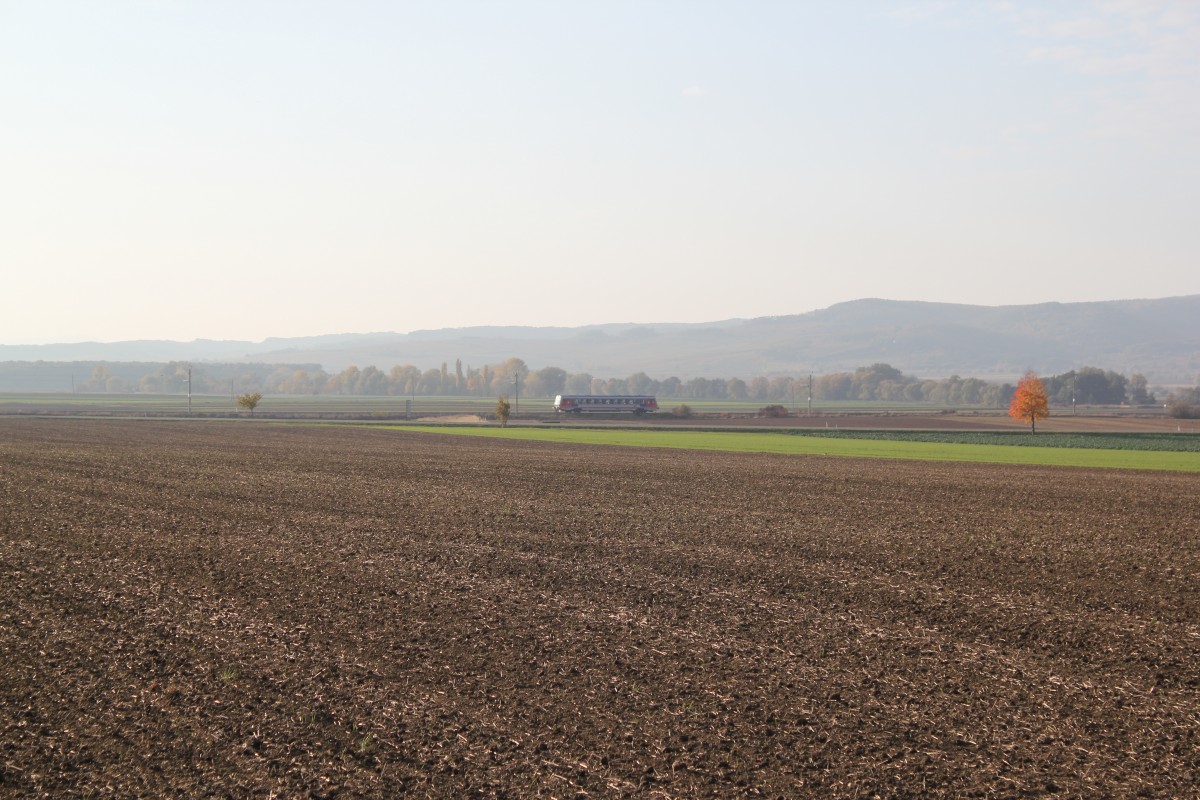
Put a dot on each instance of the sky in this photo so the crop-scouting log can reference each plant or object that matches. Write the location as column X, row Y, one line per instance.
column 241, row 169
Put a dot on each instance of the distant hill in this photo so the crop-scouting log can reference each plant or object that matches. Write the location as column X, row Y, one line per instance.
column 1159, row 338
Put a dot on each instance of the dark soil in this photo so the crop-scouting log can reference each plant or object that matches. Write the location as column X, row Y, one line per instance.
column 253, row 610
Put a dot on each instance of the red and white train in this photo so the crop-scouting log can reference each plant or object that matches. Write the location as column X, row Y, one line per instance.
column 579, row 403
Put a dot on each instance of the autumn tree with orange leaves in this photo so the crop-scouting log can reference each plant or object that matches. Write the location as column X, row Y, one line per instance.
column 1029, row 403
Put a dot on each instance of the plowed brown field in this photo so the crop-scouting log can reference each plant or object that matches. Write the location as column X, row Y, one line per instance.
column 252, row 610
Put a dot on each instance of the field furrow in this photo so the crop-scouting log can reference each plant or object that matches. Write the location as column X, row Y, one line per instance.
column 255, row 610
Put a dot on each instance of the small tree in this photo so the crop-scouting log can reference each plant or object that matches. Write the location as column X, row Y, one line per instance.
column 249, row 401
column 1029, row 402
column 502, row 410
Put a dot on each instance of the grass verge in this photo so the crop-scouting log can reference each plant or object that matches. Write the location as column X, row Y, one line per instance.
column 785, row 444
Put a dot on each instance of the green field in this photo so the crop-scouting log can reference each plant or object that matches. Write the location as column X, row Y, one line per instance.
column 1114, row 450
column 1161, row 442
column 891, row 447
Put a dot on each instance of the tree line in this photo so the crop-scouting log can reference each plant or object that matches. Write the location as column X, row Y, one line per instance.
column 877, row 382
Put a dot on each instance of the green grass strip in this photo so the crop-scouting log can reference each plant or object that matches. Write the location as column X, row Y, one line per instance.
column 857, row 448
column 1159, row 442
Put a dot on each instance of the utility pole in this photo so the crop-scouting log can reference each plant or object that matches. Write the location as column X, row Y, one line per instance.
column 517, row 390
column 1072, row 392
column 189, row 380
column 810, row 394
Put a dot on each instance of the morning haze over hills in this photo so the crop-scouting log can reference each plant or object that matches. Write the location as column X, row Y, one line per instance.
column 1159, row 338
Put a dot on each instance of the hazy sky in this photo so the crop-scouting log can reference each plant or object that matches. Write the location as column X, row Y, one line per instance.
column 243, row 169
